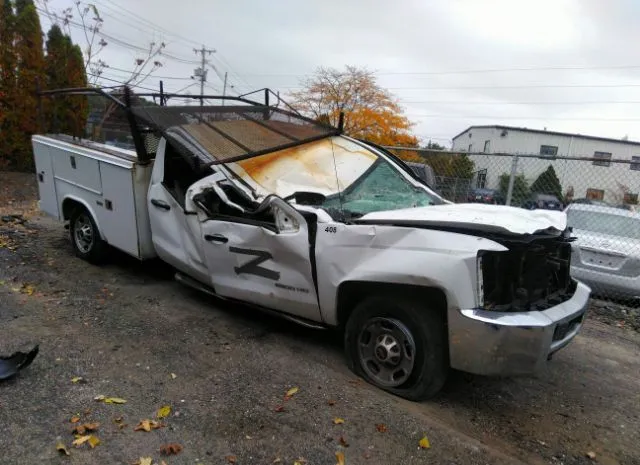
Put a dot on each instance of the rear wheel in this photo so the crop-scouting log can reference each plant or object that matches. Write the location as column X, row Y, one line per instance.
column 398, row 345
column 85, row 237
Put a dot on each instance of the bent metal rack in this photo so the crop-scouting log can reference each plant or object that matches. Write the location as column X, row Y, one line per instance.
column 223, row 133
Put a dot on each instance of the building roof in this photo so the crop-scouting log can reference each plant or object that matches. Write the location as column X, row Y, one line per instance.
column 553, row 133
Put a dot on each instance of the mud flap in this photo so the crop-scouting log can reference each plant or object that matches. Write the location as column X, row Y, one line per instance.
column 11, row 365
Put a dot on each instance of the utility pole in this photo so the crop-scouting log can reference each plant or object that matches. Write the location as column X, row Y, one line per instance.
column 224, row 88
column 202, row 72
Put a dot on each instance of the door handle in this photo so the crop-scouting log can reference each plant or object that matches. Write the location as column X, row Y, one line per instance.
column 216, row 238
column 160, row 204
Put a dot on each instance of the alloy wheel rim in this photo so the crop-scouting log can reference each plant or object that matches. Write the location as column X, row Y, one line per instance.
column 83, row 233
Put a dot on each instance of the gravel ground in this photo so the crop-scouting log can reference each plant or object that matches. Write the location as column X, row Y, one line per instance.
column 131, row 332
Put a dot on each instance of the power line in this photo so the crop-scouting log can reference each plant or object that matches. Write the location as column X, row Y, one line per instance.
column 467, row 71
column 495, row 117
column 156, row 26
column 445, row 102
column 526, row 86
column 129, row 71
column 122, row 83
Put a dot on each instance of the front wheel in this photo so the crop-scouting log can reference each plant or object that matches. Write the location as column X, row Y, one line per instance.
column 85, row 237
column 398, row 345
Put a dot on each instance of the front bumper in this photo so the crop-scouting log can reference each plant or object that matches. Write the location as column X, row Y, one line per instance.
column 507, row 343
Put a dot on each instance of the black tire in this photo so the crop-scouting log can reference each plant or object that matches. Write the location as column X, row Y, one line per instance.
column 428, row 333
column 92, row 249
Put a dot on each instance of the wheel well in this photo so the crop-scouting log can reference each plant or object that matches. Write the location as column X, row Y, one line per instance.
column 352, row 293
column 69, row 206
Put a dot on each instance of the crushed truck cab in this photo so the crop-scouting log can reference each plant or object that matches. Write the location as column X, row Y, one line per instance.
column 260, row 205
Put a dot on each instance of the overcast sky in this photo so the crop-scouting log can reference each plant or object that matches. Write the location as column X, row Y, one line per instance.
column 451, row 63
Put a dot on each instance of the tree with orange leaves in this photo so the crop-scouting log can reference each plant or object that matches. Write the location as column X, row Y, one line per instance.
column 371, row 112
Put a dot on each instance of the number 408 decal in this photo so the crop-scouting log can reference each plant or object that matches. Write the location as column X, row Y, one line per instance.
column 331, row 229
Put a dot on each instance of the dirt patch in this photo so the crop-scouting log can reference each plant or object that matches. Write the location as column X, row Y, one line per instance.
column 616, row 314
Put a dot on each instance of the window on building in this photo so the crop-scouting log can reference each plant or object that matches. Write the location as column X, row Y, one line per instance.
column 595, row 194
column 606, row 155
column 481, row 181
column 470, row 148
column 548, row 150
column 487, row 146
column 630, row 199
column 636, row 163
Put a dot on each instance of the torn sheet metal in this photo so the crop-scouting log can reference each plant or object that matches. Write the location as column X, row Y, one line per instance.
column 11, row 365
column 495, row 218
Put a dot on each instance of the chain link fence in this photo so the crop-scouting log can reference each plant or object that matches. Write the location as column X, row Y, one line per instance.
column 599, row 195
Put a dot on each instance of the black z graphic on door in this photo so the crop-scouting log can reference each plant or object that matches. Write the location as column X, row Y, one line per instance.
column 253, row 266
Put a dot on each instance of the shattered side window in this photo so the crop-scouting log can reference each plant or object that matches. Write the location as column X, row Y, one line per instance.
column 381, row 188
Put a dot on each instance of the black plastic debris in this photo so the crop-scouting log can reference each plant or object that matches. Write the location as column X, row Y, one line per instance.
column 11, row 365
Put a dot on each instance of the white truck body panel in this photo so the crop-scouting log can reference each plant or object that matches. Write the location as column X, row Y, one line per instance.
column 248, row 243
column 110, row 185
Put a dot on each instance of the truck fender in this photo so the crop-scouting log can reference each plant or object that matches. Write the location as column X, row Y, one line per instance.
column 67, row 207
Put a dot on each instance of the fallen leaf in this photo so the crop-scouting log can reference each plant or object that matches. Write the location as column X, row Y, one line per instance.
column 148, row 425
column 340, row 458
column 118, row 419
column 110, row 400
column 279, row 408
column 290, row 393
column 81, row 440
column 338, row 421
column 331, row 403
column 343, row 442
column 74, row 419
column 173, row 376
column 85, row 428
column 277, row 460
column 77, row 379
column 231, row 458
column 591, row 455
column 300, row 461
column 171, row 449
column 60, row 447
column 381, row 427
column 144, row 461
column 27, row 289
column 248, row 437
column 93, row 441
column 164, row 412
column 424, row 443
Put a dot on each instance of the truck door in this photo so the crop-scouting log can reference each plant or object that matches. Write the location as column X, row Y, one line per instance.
column 46, row 183
column 263, row 261
column 170, row 180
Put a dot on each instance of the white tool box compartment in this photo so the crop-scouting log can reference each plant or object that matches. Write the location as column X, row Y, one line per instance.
column 105, row 180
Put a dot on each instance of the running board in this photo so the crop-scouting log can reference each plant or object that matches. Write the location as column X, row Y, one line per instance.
column 197, row 285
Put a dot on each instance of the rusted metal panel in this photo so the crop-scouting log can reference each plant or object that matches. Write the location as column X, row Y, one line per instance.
column 325, row 166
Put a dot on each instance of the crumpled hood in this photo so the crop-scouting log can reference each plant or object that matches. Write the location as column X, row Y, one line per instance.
column 472, row 216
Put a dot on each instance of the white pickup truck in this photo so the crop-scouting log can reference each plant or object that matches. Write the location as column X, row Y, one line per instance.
column 260, row 205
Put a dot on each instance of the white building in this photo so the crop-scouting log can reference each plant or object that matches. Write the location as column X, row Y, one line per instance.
column 597, row 179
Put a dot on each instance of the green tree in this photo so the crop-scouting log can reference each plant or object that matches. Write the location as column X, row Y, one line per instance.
column 7, row 82
column 547, row 183
column 64, row 68
column 29, row 74
column 520, row 188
